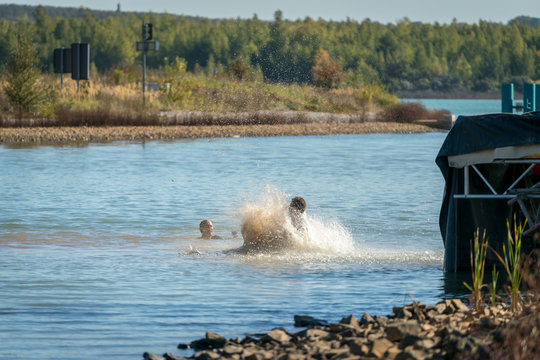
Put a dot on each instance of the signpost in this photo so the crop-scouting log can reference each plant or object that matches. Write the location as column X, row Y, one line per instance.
column 80, row 63
column 146, row 45
column 75, row 61
column 62, row 63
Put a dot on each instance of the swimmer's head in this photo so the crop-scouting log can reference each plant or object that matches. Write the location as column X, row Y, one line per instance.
column 207, row 229
column 297, row 206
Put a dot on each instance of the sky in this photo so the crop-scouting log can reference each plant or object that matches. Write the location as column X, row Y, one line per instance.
column 384, row 11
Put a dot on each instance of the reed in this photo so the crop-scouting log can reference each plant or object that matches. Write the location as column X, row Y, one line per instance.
column 478, row 261
column 512, row 261
column 493, row 286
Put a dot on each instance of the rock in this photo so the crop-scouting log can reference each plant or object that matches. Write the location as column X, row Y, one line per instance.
column 440, row 308
column 338, row 354
column 410, row 354
column 308, row 321
column 169, row 356
column 366, row 319
column 392, row 353
column 359, row 347
column 398, row 330
column 459, row 305
column 278, row 335
column 296, row 356
column 408, row 340
column 424, row 344
column 404, row 314
column 261, row 355
column 200, row 344
column 351, row 321
column 232, row 349
column 450, row 309
column 150, row 356
column 206, row 355
column 343, row 329
column 381, row 320
column 214, row 340
column 316, row 333
column 380, row 346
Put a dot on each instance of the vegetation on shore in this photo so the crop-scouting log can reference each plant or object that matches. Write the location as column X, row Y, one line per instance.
column 31, row 99
column 402, row 56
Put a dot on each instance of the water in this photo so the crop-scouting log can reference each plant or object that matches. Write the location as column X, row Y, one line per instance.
column 461, row 106
column 96, row 241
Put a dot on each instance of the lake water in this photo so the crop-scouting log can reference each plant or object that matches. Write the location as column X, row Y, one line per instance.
column 461, row 107
column 97, row 242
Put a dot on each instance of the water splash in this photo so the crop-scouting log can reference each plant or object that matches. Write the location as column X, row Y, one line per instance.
column 266, row 226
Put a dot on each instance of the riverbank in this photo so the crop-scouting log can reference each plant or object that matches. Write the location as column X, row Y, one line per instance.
column 65, row 135
column 446, row 330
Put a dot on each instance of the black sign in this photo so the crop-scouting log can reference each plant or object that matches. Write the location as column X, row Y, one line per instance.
column 80, row 61
column 62, row 61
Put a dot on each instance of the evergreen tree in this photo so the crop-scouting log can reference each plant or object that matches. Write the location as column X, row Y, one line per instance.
column 22, row 88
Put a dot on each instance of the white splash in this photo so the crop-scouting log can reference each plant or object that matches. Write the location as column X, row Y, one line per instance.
column 266, row 216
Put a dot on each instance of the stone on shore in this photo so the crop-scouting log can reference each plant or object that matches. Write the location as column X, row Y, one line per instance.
column 308, row 321
column 82, row 134
column 446, row 330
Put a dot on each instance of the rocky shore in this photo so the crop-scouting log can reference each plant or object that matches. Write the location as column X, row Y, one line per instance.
column 66, row 135
column 446, row 330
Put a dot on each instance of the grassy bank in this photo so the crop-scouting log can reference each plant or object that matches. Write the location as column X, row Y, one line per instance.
column 114, row 94
column 184, row 98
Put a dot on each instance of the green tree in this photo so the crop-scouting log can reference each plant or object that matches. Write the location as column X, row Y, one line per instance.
column 23, row 88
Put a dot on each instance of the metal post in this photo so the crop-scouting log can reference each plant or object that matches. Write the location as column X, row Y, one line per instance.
column 466, row 180
column 507, row 98
column 144, row 27
column 61, row 68
column 144, row 76
column 529, row 97
column 78, row 64
column 537, row 91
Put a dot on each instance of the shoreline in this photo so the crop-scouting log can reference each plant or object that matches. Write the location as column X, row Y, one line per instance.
column 446, row 330
column 67, row 135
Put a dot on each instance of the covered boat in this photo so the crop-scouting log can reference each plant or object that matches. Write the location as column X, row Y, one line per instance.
column 491, row 167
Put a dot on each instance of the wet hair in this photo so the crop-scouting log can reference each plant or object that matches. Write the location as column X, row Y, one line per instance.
column 298, row 204
column 205, row 224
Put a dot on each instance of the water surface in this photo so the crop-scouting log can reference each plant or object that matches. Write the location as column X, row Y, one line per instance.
column 96, row 240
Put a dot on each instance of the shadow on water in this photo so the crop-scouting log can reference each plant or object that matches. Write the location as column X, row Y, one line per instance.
column 453, row 284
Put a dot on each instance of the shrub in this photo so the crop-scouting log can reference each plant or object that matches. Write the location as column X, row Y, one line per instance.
column 326, row 72
column 410, row 112
column 118, row 76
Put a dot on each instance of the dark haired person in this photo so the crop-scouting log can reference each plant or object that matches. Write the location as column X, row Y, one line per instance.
column 297, row 208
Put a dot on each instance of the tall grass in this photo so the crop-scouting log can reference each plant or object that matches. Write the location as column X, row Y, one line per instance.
column 493, row 286
column 478, row 262
column 512, row 261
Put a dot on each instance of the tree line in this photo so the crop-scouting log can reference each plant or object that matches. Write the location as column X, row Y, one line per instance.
column 401, row 56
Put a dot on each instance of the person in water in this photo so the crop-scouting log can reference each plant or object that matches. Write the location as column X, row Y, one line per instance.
column 207, row 230
column 270, row 233
column 297, row 207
